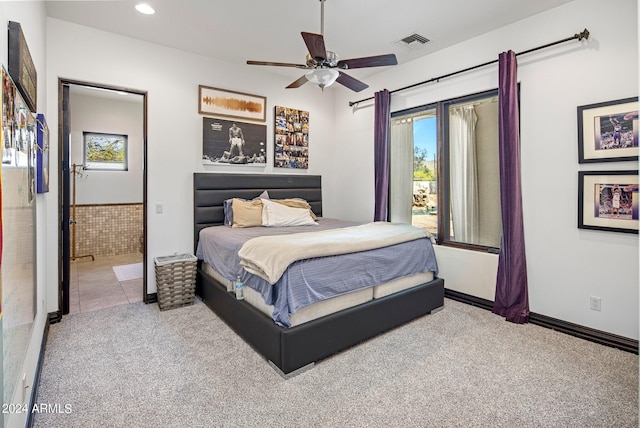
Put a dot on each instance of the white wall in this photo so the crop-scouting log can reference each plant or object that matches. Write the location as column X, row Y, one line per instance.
column 566, row 265
column 32, row 18
column 96, row 114
column 171, row 79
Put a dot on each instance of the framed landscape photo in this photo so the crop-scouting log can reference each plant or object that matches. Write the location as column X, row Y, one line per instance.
column 107, row 152
column 608, row 131
column 225, row 103
column 608, row 200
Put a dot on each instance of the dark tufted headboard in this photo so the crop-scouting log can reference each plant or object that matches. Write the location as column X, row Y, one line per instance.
column 211, row 189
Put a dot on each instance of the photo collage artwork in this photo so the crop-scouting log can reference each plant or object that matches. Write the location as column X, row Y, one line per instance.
column 291, row 138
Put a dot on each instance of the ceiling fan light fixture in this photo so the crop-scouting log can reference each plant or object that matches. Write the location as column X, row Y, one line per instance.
column 322, row 77
column 145, row 9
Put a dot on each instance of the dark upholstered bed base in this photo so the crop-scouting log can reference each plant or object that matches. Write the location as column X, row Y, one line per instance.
column 292, row 348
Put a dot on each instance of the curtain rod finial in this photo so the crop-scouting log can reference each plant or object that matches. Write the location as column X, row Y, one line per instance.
column 583, row 35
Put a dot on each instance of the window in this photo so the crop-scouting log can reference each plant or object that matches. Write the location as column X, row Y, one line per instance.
column 105, row 151
column 414, row 173
column 454, row 189
column 471, row 132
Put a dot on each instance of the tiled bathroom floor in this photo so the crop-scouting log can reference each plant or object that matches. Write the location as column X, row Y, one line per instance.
column 94, row 284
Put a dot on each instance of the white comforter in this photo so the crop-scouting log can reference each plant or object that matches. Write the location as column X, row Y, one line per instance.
column 269, row 256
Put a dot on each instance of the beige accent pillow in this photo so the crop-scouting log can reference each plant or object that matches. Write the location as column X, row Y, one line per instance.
column 246, row 213
column 296, row 203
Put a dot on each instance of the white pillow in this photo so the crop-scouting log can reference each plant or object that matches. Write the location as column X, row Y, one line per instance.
column 278, row 215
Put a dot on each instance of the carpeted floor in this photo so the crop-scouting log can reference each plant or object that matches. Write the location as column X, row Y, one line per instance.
column 134, row 366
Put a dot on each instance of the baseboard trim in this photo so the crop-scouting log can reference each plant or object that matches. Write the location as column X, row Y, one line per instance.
column 587, row 333
column 151, row 298
column 36, row 381
column 54, row 317
column 468, row 299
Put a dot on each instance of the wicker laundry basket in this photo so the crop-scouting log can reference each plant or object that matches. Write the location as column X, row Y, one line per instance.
column 175, row 280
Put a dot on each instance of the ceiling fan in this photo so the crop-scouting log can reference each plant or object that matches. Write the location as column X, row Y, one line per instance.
column 324, row 66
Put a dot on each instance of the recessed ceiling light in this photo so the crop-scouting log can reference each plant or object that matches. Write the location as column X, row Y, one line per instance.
column 145, row 8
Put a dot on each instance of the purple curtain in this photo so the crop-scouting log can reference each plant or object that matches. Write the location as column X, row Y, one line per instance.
column 381, row 154
column 512, row 299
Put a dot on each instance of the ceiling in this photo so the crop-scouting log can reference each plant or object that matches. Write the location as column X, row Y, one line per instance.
column 269, row 30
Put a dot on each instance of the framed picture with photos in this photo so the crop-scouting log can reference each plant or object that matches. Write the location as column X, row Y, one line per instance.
column 291, row 138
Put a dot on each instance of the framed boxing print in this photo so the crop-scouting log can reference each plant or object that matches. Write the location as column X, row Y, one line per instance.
column 608, row 200
column 608, row 131
column 231, row 142
column 225, row 103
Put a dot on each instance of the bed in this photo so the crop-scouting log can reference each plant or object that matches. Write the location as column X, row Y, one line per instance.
column 313, row 336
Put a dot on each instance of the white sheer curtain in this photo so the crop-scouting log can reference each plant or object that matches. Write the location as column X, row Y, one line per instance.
column 464, row 173
column 401, row 176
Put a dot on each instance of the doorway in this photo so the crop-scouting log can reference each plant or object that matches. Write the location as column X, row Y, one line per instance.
column 102, row 196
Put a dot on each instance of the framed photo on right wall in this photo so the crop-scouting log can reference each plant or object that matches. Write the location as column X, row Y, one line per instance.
column 608, row 200
column 608, row 131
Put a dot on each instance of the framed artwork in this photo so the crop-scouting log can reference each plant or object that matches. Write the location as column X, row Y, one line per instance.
column 42, row 155
column 227, row 142
column 9, row 149
column 105, row 151
column 608, row 200
column 225, row 103
column 608, row 131
column 21, row 67
column 23, row 134
column 291, row 140
column 31, row 141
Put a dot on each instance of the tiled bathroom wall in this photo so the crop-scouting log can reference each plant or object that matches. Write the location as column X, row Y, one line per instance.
column 108, row 230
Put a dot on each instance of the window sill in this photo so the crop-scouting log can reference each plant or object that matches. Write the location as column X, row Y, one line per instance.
column 470, row 247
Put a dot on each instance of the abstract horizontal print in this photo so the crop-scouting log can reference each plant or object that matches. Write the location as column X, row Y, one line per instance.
column 225, row 103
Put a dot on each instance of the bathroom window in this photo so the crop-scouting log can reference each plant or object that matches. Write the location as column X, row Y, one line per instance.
column 105, row 151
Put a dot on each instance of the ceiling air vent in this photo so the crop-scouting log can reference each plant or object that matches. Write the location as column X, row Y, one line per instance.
column 414, row 41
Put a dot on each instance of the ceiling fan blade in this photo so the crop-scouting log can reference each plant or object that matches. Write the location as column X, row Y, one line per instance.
column 301, row 81
column 368, row 61
column 277, row 64
column 351, row 83
column 315, row 45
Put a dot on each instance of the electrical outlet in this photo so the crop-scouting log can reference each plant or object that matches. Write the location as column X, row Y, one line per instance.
column 159, row 208
column 595, row 303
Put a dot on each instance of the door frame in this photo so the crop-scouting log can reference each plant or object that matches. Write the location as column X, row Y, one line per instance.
column 64, row 188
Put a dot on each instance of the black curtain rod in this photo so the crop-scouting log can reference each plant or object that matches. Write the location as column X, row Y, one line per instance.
column 583, row 35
